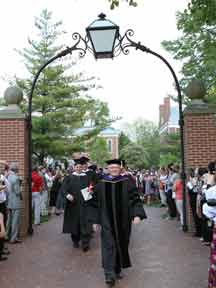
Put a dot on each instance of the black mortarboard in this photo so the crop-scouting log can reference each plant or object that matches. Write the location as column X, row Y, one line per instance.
column 84, row 160
column 77, row 161
column 93, row 167
column 114, row 161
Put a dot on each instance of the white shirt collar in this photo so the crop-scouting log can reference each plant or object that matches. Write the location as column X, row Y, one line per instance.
column 81, row 174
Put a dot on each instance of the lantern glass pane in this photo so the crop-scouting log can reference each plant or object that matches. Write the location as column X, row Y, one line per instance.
column 103, row 40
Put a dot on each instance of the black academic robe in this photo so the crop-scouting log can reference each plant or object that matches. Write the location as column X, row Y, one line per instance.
column 76, row 212
column 55, row 191
column 92, row 176
column 118, row 203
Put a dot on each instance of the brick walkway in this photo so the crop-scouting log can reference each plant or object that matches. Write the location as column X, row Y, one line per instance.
column 162, row 257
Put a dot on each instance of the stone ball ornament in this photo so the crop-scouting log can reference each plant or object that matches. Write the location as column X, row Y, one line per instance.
column 13, row 95
column 196, row 90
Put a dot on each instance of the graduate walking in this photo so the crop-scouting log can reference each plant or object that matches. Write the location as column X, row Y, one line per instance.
column 119, row 205
column 90, row 171
column 76, row 216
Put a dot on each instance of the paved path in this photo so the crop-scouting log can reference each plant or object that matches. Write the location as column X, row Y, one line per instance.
column 162, row 256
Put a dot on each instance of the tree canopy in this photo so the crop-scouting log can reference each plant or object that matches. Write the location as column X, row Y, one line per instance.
column 61, row 102
column 170, row 149
column 98, row 151
column 196, row 48
column 115, row 3
column 144, row 147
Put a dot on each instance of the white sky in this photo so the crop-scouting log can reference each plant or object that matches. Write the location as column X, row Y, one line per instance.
column 133, row 85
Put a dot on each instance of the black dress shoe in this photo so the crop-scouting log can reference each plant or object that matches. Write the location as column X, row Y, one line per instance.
column 110, row 282
column 2, row 258
column 6, row 252
column 119, row 276
column 85, row 248
column 76, row 245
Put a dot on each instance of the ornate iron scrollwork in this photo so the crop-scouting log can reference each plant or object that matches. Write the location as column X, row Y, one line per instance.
column 125, row 42
column 80, row 45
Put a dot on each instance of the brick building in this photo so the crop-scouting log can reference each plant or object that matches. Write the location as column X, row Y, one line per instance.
column 111, row 136
column 168, row 117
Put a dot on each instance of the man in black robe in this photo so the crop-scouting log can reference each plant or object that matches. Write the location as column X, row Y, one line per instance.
column 119, row 205
column 91, row 173
column 76, row 216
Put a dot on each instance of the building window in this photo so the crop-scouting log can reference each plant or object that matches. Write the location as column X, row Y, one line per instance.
column 110, row 145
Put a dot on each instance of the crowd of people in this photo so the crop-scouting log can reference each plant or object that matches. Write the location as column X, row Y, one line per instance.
column 201, row 195
column 84, row 193
column 198, row 182
column 45, row 186
column 10, row 207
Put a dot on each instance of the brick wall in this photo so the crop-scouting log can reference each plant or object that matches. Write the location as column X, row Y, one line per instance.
column 13, row 148
column 114, row 140
column 200, row 139
column 164, row 110
column 167, row 108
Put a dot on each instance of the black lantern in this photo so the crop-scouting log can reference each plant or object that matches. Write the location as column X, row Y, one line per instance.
column 103, row 34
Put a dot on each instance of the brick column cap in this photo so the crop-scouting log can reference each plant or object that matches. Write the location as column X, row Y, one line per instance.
column 199, row 107
column 11, row 112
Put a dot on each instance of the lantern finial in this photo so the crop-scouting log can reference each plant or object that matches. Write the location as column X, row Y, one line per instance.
column 102, row 16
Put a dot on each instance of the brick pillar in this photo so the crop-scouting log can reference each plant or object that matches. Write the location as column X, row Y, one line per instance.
column 13, row 148
column 199, row 137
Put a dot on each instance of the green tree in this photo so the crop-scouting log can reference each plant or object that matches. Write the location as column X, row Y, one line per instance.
column 170, row 149
column 115, row 3
column 196, row 48
column 124, row 140
column 61, row 103
column 135, row 156
column 145, row 134
column 148, row 137
column 98, row 151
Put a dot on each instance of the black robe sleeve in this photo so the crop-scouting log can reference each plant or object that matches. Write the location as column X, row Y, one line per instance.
column 94, row 206
column 136, row 205
column 64, row 186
